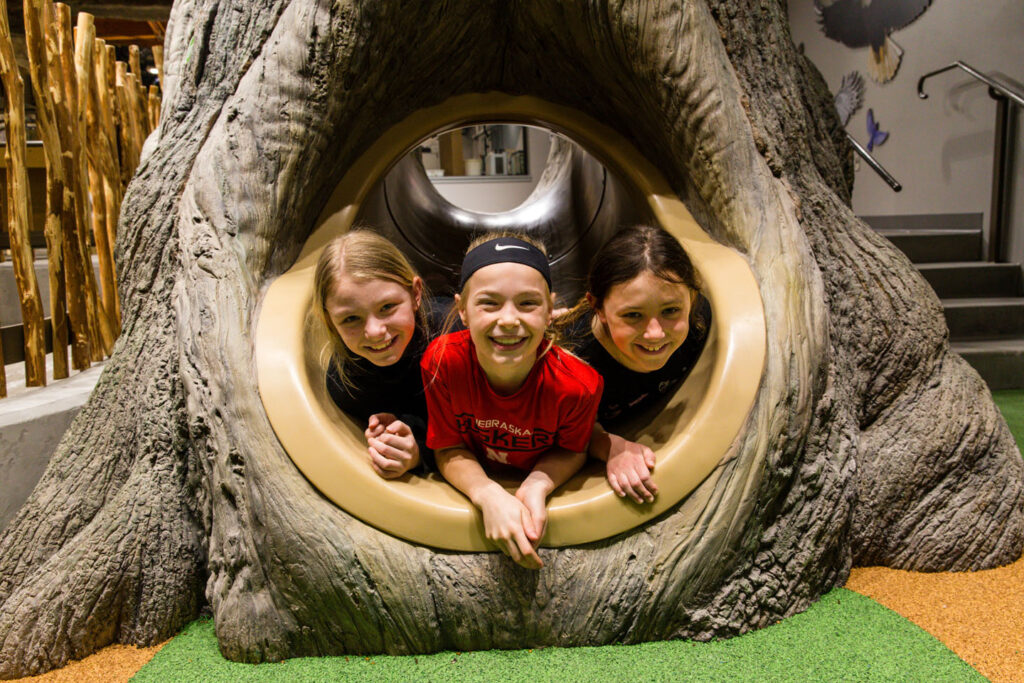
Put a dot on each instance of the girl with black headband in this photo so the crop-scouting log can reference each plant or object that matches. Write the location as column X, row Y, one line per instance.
column 500, row 393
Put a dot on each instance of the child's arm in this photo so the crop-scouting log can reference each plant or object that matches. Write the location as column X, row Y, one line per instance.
column 507, row 520
column 392, row 446
column 629, row 464
column 549, row 472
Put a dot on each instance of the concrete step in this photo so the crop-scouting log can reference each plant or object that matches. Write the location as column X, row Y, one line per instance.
column 984, row 318
column 927, row 221
column 32, row 422
column 923, row 245
column 973, row 279
column 1000, row 362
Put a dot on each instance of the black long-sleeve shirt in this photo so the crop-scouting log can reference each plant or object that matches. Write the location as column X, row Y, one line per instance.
column 627, row 392
column 396, row 389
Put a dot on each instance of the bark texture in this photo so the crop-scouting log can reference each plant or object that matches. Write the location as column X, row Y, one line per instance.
column 869, row 442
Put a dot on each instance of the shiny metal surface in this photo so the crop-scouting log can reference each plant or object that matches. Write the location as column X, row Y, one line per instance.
column 576, row 206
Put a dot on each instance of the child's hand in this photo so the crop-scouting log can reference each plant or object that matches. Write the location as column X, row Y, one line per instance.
column 392, row 446
column 629, row 470
column 506, row 521
column 535, row 499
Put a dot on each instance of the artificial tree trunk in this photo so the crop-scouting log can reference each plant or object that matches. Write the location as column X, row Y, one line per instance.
column 869, row 442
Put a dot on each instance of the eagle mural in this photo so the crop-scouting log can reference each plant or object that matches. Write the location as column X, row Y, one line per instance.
column 856, row 23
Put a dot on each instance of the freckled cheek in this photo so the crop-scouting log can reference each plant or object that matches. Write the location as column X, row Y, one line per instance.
column 350, row 339
column 623, row 337
column 406, row 324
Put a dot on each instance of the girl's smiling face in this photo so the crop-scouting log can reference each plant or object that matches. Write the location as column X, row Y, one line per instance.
column 644, row 320
column 507, row 308
column 376, row 318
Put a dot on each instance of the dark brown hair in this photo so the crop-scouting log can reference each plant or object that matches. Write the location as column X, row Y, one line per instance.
column 630, row 252
column 635, row 250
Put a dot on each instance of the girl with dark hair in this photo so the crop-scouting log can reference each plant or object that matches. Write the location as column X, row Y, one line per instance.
column 642, row 325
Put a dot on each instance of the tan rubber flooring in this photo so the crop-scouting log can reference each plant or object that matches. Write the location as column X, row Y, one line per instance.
column 114, row 664
column 978, row 615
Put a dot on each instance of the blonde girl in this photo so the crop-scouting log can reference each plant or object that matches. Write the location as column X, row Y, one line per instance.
column 371, row 303
column 501, row 397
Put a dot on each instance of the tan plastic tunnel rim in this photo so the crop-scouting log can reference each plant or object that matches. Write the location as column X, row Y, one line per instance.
column 697, row 428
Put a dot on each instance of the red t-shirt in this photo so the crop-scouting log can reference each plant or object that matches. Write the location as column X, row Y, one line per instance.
column 556, row 406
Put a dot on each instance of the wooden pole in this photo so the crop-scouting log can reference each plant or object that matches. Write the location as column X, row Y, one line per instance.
column 85, row 37
column 135, row 67
column 131, row 92
column 141, row 100
column 131, row 130
column 19, row 211
column 158, row 60
column 154, row 107
column 135, row 62
column 74, row 262
column 121, row 142
column 3, row 371
column 110, row 161
column 80, row 181
column 47, row 126
column 101, row 171
column 141, row 113
column 124, row 126
column 105, row 144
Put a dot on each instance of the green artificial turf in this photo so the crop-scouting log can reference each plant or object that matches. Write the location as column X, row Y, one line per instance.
column 845, row 636
column 1011, row 404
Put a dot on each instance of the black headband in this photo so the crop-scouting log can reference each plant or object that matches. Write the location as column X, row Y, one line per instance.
column 504, row 250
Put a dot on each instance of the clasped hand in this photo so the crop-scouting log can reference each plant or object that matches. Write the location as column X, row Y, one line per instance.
column 391, row 445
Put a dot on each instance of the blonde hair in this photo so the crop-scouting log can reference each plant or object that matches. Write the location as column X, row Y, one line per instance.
column 364, row 255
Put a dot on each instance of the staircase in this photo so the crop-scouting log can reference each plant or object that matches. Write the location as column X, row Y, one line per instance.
column 983, row 301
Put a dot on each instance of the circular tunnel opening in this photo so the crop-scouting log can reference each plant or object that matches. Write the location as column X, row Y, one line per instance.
column 586, row 192
column 575, row 205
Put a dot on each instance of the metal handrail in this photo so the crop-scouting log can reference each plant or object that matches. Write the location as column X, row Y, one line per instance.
column 873, row 163
column 999, row 218
column 1016, row 97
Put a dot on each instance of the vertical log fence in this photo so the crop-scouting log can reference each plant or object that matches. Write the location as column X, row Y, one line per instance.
column 19, row 209
column 46, row 126
column 92, row 115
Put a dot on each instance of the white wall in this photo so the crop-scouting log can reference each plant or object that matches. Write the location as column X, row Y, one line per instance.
column 496, row 196
column 940, row 149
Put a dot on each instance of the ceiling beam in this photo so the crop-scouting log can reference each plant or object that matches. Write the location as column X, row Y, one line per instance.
column 144, row 10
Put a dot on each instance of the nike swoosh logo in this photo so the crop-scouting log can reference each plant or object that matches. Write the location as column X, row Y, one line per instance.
column 503, row 247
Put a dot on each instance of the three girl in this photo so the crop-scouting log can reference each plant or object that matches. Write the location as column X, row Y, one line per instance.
column 500, row 392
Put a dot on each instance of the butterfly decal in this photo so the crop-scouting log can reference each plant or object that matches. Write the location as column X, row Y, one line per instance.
column 875, row 136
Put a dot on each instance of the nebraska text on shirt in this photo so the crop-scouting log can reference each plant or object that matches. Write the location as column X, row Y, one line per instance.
column 504, row 426
column 500, row 434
